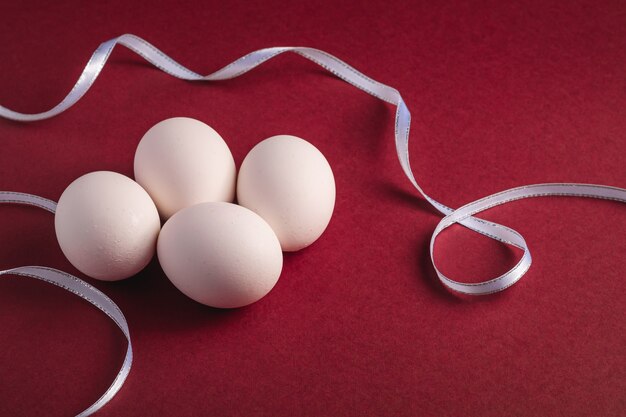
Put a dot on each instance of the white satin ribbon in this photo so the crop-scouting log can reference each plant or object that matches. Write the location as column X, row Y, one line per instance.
column 402, row 125
column 344, row 71
column 80, row 288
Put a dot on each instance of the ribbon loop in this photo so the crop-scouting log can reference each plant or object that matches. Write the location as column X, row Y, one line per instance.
column 510, row 236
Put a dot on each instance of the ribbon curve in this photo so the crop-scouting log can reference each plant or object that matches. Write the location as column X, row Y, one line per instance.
column 342, row 70
column 78, row 287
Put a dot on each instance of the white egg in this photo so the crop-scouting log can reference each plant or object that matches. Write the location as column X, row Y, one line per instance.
column 288, row 182
column 182, row 162
column 220, row 254
column 107, row 225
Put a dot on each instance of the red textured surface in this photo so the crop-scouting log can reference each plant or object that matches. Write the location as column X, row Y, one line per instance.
column 502, row 95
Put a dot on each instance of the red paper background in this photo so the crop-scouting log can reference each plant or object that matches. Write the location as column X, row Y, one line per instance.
column 502, row 94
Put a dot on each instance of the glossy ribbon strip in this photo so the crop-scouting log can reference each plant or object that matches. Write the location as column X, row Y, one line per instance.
column 344, row 71
column 80, row 288
column 403, row 121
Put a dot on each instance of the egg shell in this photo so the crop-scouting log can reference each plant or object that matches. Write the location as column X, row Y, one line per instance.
column 181, row 162
column 288, row 182
column 107, row 225
column 220, row 254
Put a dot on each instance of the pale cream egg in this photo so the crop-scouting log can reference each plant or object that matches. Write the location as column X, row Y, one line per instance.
column 288, row 182
column 107, row 225
column 220, row 254
column 181, row 162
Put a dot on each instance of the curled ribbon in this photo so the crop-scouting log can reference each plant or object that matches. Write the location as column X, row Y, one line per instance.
column 80, row 288
column 463, row 215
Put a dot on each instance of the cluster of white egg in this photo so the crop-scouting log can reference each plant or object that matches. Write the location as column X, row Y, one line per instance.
column 218, row 253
